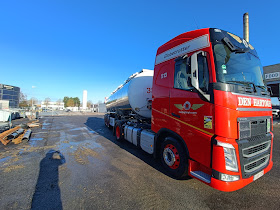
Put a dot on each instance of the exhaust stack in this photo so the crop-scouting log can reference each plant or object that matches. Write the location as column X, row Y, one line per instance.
column 246, row 26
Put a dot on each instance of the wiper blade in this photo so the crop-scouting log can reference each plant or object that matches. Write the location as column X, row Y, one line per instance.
column 261, row 86
column 240, row 50
column 264, row 90
column 244, row 83
column 232, row 47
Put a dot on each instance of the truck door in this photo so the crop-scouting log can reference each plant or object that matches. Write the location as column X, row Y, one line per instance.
column 191, row 111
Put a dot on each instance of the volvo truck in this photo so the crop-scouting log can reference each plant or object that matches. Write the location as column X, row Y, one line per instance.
column 204, row 110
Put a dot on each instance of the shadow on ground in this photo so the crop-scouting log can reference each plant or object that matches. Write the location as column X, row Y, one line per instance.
column 97, row 124
column 47, row 192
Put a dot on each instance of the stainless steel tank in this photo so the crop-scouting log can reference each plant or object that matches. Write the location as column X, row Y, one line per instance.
column 135, row 93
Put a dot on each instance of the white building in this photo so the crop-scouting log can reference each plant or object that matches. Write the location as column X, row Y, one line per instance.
column 4, row 104
column 85, row 99
column 100, row 108
column 52, row 105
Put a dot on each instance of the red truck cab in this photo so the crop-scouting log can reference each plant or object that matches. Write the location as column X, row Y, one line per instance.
column 211, row 111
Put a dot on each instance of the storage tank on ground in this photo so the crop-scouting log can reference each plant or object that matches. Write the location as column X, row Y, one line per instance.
column 135, row 94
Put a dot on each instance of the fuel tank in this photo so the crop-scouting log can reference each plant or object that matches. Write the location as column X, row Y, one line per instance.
column 135, row 94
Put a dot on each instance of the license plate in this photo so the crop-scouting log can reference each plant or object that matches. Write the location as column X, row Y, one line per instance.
column 258, row 175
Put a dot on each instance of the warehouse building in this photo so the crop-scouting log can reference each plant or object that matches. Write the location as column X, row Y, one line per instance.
column 272, row 78
column 52, row 105
column 11, row 94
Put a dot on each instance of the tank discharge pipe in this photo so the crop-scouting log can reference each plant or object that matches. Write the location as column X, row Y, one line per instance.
column 246, row 26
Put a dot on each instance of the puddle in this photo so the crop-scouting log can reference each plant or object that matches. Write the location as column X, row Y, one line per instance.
column 77, row 129
column 21, row 151
column 44, row 125
column 5, row 159
column 91, row 131
column 34, row 141
column 83, row 129
column 72, row 146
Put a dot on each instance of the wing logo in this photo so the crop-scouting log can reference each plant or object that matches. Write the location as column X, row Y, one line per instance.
column 187, row 106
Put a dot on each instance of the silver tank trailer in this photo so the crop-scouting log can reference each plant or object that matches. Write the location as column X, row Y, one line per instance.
column 135, row 93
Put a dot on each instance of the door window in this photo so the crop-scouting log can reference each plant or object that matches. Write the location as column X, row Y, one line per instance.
column 182, row 76
column 203, row 73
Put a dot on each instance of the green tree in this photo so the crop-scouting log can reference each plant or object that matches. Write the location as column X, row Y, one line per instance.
column 65, row 100
column 77, row 101
column 70, row 103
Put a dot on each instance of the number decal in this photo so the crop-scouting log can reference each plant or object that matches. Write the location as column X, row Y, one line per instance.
column 164, row 75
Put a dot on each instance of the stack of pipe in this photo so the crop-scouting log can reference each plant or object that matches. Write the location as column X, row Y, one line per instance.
column 27, row 134
column 15, row 134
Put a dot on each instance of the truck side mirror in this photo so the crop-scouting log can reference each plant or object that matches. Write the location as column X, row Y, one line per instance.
column 194, row 74
column 269, row 90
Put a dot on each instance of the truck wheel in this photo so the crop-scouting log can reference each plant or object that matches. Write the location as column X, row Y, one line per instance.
column 119, row 132
column 106, row 120
column 174, row 158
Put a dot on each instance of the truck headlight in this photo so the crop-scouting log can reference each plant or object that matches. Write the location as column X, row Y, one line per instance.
column 230, row 156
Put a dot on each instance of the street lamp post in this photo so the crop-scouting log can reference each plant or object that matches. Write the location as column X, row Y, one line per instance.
column 32, row 113
column 32, row 97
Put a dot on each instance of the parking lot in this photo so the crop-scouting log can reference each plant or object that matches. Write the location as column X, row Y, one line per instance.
column 74, row 162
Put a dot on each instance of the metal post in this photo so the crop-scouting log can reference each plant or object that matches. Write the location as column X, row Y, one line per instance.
column 246, row 26
column 10, row 120
column 278, row 92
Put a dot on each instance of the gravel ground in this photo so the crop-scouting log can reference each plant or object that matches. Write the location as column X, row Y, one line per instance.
column 74, row 162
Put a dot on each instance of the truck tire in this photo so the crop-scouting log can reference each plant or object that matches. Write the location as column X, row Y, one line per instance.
column 174, row 158
column 106, row 120
column 119, row 131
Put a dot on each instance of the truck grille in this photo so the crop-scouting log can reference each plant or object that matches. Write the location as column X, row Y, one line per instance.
column 255, row 165
column 254, row 151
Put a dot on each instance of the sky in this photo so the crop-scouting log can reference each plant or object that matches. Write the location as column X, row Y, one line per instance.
column 57, row 48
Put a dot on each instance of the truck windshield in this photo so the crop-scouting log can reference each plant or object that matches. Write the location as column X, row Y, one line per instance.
column 237, row 67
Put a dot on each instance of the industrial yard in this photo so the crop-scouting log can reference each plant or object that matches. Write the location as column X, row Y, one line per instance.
column 74, row 162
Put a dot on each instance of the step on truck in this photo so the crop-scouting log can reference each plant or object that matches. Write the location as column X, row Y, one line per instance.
column 204, row 110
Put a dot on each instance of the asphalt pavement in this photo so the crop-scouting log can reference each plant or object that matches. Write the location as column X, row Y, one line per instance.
column 74, row 162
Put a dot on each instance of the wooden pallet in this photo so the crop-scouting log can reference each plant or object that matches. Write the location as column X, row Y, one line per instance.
column 3, row 136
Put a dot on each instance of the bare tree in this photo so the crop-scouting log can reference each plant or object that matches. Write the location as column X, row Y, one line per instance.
column 47, row 102
column 89, row 104
column 32, row 101
column 58, row 102
column 23, row 100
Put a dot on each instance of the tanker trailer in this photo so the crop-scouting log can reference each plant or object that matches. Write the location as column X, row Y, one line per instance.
column 133, row 97
column 129, row 110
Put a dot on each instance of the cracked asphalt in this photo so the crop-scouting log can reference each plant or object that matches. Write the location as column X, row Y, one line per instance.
column 74, row 162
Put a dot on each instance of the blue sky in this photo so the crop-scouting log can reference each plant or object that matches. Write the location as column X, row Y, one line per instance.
column 65, row 47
